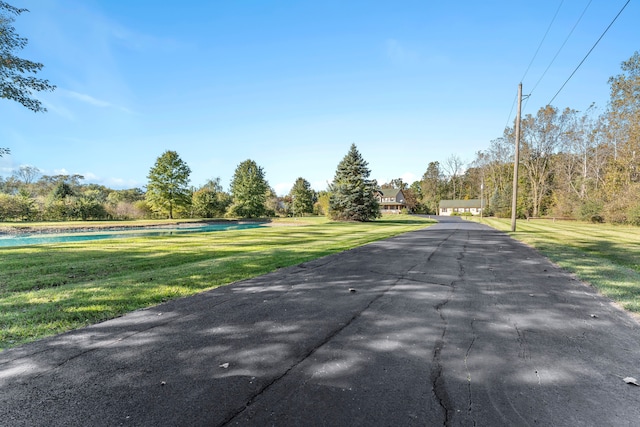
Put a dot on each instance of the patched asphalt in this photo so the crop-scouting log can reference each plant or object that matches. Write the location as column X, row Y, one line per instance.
column 453, row 325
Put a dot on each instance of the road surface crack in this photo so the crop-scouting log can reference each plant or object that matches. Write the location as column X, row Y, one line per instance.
column 302, row 358
column 466, row 365
column 440, row 244
column 524, row 345
column 437, row 378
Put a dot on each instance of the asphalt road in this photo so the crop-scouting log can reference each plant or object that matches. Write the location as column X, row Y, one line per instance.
column 454, row 325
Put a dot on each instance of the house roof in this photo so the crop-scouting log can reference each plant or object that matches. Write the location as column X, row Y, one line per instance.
column 472, row 203
column 389, row 192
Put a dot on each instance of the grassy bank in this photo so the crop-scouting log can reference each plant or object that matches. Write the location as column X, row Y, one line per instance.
column 48, row 289
column 606, row 256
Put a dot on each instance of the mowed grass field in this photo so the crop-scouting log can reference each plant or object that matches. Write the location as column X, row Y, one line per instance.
column 49, row 289
column 606, row 256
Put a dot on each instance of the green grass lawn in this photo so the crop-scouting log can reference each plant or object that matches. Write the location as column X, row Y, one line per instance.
column 48, row 289
column 606, row 256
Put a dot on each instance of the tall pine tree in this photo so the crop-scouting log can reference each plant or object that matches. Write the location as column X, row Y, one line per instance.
column 352, row 192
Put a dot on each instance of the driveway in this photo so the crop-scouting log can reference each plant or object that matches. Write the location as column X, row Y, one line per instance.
column 453, row 325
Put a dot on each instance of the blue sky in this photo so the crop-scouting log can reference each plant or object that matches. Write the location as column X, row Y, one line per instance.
column 291, row 84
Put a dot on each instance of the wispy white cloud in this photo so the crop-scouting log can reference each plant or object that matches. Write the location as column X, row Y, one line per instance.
column 88, row 99
column 59, row 110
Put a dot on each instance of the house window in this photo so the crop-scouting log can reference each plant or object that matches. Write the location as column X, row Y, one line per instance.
column 444, row 209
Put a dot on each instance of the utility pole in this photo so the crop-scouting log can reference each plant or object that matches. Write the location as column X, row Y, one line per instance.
column 482, row 197
column 516, row 162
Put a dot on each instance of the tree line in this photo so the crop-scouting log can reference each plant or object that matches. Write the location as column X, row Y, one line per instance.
column 573, row 164
column 29, row 196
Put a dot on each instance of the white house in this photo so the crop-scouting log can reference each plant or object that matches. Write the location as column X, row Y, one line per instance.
column 460, row 207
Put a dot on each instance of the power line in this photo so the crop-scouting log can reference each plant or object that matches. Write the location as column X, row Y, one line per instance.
column 542, row 41
column 559, row 50
column 588, row 53
column 533, row 58
column 513, row 104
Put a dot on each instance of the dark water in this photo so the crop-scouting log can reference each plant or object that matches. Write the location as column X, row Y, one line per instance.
column 39, row 239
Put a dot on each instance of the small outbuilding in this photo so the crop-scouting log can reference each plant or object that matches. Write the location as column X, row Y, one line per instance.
column 460, row 207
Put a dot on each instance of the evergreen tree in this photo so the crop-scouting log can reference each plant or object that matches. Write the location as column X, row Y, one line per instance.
column 352, row 192
column 302, row 197
column 249, row 190
column 168, row 187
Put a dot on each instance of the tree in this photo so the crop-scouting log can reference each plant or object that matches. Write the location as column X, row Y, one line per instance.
column 321, row 207
column 624, row 126
column 13, row 85
column 210, row 201
column 62, row 190
column 302, row 197
column 453, row 166
column 27, row 174
column 352, row 192
column 432, row 187
column 249, row 191
column 396, row 183
column 123, row 204
column 273, row 205
column 496, row 164
column 15, row 82
column 541, row 136
column 413, row 198
column 168, row 187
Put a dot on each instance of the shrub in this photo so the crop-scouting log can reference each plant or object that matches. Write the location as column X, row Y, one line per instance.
column 591, row 210
column 621, row 205
column 9, row 207
column 633, row 215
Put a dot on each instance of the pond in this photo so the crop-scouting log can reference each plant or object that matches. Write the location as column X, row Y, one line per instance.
column 70, row 237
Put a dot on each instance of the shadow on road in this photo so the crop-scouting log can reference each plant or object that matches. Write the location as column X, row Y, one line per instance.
column 456, row 324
